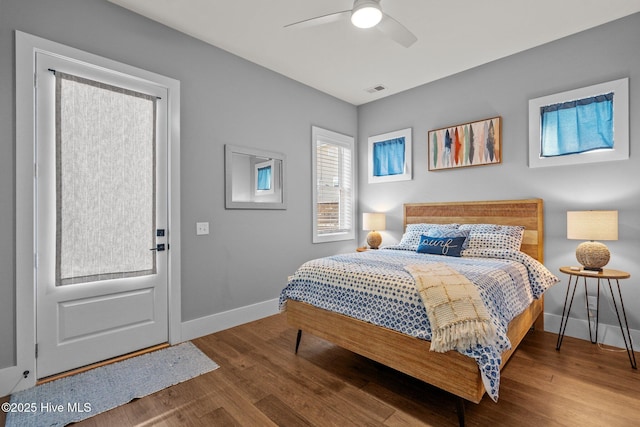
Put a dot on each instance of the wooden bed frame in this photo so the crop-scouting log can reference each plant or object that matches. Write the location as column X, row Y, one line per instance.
column 450, row 371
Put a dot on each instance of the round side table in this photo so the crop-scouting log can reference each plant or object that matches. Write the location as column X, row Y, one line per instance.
column 606, row 275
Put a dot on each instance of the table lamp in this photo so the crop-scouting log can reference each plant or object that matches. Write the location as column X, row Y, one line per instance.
column 592, row 226
column 373, row 222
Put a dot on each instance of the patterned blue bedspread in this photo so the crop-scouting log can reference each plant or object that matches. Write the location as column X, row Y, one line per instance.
column 373, row 286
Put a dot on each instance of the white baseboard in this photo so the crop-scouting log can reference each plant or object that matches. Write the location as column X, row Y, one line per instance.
column 579, row 328
column 196, row 328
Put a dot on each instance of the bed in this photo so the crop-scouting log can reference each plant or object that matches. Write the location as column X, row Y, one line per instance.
column 410, row 353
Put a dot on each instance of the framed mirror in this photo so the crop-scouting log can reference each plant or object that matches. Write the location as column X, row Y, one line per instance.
column 254, row 179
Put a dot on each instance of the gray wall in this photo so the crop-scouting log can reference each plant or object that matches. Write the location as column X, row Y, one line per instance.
column 225, row 99
column 503, row 88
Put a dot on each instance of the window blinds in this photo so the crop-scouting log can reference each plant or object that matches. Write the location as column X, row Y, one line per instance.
column 334, row 188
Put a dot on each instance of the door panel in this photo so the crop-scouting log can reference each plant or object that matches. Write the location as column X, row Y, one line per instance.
column 79, row 319
column 100, row 195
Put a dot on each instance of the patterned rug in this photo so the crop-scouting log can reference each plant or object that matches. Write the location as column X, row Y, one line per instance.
column 75, row 398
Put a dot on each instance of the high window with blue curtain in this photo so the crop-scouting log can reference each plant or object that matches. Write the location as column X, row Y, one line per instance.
column 264, row 178
column 577, row 126
column 389, row 157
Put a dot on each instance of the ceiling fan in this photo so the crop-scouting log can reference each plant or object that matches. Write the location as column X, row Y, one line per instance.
column 365, row 14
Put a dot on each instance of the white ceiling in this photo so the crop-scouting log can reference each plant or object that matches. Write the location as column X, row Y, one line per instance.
column 344, row 61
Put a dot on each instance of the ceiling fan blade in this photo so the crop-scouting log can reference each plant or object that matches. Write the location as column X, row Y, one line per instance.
column 396, row 31
column 321, row 20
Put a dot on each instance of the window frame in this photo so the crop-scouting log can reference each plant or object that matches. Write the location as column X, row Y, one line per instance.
column 620, row 151
column 324, row 136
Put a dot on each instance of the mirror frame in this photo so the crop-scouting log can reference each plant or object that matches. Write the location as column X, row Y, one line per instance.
column 229, row 151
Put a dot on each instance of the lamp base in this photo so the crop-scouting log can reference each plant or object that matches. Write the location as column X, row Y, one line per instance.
column 593, row 255
column 374, row 239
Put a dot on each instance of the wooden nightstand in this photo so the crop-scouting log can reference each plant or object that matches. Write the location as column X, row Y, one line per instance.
column 609, row 276
column 362, row 249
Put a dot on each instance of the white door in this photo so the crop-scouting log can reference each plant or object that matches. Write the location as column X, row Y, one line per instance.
column 101, row 214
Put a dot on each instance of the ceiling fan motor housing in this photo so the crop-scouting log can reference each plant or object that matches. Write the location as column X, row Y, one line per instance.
column 366, row 13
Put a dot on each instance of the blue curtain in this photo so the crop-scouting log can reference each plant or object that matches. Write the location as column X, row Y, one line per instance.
column 577, row 126
column 388, row 157
column 264, row 178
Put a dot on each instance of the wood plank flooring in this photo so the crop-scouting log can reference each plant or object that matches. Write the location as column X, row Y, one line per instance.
column 262, row 383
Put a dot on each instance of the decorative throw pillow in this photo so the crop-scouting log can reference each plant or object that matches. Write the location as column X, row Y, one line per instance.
column 444, row 232
column 449, row 246
column 493, row 236
column 411, row 237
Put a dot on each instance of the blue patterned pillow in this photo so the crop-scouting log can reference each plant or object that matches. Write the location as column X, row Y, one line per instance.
column 449, row 246
column 411, row 237
column 493, row 236
column 444, row 232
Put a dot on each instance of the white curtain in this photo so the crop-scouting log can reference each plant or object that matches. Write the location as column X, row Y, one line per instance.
column 105, row 181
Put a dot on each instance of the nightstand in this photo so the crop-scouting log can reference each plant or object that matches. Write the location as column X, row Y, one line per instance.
column 362, row 249
column 608, row 276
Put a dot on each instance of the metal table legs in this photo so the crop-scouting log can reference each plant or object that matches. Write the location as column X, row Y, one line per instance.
column 627, row 338
column 620, row 313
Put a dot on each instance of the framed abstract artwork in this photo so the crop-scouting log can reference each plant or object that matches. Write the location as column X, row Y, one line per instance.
column 470, row 144
column 389, row 157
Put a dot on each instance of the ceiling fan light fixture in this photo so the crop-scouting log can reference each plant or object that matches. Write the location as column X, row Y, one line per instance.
column 366, row 13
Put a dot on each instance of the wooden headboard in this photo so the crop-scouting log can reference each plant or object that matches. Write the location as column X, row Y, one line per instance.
column 527, row 212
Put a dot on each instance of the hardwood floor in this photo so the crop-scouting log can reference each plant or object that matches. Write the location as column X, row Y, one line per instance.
column 262, row 383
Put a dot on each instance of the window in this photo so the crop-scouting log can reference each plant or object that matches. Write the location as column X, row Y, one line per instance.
column 577, row 126
column 389, row 157
column 333, row 175
column 105, row 140
column 580, row 126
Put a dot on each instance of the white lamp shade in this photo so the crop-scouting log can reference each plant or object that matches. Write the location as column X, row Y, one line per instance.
column 592, row 225
column 366, row 14
column 374, row 221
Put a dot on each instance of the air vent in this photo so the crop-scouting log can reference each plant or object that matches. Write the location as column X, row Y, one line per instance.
column 377, row 88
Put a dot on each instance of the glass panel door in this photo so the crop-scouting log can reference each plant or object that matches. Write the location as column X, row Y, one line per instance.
column 105, row 181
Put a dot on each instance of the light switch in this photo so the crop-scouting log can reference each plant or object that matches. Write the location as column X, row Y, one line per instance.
column 202, row 228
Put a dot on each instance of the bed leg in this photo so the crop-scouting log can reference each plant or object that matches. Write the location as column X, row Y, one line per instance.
column 460, row 410
column 538, row 325
column 298, row 340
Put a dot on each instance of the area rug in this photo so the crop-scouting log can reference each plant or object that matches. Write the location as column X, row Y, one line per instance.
column 75, row 398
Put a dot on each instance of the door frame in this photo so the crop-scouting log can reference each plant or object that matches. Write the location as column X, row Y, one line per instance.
column 26, row 45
